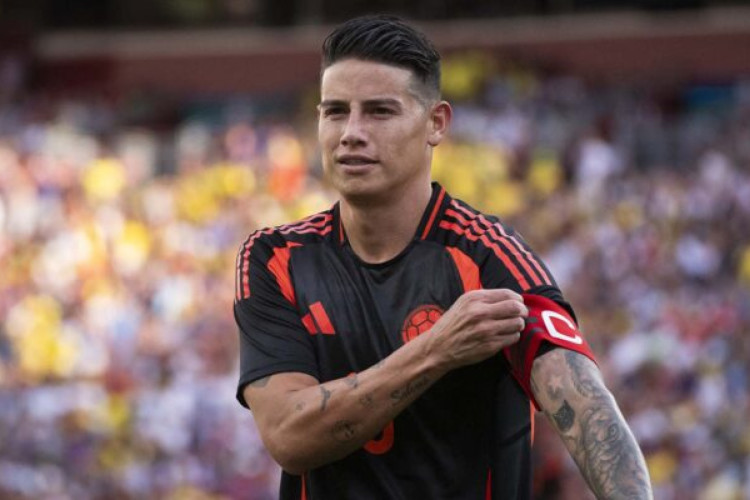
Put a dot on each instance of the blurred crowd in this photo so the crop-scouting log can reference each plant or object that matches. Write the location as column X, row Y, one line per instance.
column 118, row 350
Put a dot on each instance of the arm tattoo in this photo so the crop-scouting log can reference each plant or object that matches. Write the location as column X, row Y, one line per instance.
column 413, row 387
column 585, row 384
column 261, row 382
column 352, row 381
column 604, row 449
column 564, row 417
column 344, row 430
column 366, row 400
column 326, row 396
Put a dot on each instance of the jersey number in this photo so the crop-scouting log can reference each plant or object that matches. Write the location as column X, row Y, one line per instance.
column 382, row 445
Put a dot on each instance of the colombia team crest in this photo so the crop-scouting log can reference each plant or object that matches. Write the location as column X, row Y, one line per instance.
column 419, row 321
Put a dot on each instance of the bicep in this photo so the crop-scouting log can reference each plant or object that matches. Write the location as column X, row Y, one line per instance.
column 566, row 384
column 562, row 375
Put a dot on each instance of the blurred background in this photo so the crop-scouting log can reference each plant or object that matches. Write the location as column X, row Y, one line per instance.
column 141, row 141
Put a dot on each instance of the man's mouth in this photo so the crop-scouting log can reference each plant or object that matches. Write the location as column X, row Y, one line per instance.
column 355, row 161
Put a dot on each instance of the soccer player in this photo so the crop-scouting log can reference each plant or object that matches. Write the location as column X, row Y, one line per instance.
column 396, row 345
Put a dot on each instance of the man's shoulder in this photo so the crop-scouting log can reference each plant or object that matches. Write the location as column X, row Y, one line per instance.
column 314, row 228
column 472, row 213
column 463, row 225
column 490, row 241
column 272, row 247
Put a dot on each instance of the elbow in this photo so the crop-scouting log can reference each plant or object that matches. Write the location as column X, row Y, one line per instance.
column 287, row 453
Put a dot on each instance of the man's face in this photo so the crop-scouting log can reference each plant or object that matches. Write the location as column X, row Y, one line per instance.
column 375, row 134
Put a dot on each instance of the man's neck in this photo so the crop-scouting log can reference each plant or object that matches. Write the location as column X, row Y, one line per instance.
column 378, row 232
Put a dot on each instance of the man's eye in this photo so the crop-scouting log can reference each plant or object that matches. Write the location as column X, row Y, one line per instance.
column 333, row 111
column 382, row 111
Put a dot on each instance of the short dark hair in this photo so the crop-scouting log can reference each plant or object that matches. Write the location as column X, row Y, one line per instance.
column 389, row 40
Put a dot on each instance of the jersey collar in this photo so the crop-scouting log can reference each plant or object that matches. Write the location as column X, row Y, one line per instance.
column 427, row 224
column 430, row 217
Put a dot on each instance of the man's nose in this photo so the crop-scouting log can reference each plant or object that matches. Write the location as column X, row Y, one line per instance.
column 354, row 131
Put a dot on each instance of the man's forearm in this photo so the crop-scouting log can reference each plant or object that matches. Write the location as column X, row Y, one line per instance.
column 586, row 416
column 608, row 455
column 328, row 421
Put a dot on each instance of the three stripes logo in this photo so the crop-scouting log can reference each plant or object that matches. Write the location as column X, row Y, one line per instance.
column 317, row 320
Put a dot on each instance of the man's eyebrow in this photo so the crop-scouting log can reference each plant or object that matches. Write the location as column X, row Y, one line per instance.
column 385, row 101
column 332, row 102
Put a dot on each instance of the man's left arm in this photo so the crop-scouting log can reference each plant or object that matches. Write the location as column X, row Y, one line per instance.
column 570, row 390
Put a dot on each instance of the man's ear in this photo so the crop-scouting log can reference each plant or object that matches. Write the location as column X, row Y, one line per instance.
column 440, row 120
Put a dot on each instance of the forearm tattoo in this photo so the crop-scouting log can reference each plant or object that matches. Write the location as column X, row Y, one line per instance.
column 325, row 396
column 367, row 400
column 344, row 430
column 415, row 386
column 607, row 452
column 352, row 381
column 596, row 434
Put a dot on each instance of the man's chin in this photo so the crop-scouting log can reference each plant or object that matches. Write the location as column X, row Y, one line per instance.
column 361, row 190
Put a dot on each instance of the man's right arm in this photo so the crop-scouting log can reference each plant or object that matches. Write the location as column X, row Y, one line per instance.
column 306, row 424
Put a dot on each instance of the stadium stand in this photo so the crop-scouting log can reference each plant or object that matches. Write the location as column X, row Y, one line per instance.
column 121, row 216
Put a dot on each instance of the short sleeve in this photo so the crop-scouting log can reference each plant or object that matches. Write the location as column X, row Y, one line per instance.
column 511, row 263
column 272, row 336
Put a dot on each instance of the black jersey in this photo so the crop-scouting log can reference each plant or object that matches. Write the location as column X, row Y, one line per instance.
column 306, row 303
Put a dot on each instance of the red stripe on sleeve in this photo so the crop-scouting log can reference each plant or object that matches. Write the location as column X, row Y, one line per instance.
column 322, row 319
column 434, row 213
column 528, row 254
column 467, row 268
column 501, row 230
column 318, row 224
column 305, row 224
column 473, row 223
column 238, row 277
column 322, row 231
column 458, row 229
column 279, row 267
column 245, row 270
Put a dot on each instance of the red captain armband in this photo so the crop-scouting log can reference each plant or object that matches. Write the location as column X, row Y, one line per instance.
column 547, row 322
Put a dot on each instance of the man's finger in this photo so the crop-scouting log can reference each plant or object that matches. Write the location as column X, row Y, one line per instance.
column 496, row 295
column 510, row 326
column 504, row 309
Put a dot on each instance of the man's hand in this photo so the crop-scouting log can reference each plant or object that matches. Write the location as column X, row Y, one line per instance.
column 477, row 326
column 569, row 388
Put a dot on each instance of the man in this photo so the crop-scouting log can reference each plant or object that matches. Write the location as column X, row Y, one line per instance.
column 393, row 346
